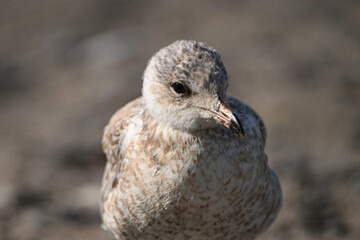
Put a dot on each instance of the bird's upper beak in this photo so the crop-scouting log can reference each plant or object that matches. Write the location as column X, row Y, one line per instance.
column 225, row 116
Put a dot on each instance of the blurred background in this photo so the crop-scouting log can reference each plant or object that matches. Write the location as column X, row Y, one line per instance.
column 66, row 66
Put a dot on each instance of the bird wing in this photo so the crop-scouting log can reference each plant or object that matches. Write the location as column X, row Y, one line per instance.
column 114, row 134
column 241, row 108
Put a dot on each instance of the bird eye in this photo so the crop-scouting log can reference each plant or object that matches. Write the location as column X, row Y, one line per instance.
column 178, row 87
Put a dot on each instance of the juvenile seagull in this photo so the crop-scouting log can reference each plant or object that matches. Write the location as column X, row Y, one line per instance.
column 185, row 160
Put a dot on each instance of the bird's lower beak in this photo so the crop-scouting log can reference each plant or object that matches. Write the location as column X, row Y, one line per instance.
column 225, row 116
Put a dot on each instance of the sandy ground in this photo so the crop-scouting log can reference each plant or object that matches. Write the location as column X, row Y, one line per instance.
column 66, row 66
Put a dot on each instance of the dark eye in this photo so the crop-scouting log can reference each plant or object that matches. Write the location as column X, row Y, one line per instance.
column 178, row 87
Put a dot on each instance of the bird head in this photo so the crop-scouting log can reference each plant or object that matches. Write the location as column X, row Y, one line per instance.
column 185, row 87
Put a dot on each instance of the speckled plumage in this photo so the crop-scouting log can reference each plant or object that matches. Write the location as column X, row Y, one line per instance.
column 174, row 170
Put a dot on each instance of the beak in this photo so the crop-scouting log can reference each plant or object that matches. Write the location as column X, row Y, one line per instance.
column 228, row 118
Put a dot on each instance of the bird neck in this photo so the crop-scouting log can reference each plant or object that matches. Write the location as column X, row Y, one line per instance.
column 163, row 130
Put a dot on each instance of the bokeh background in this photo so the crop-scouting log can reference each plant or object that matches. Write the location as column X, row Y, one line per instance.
column 66, row 66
